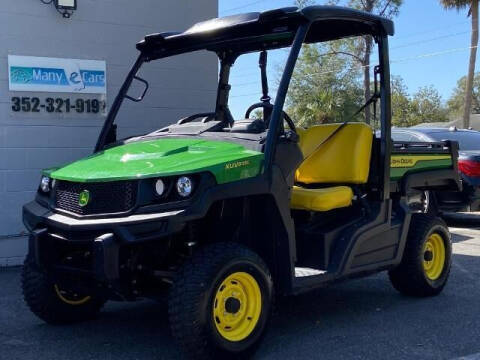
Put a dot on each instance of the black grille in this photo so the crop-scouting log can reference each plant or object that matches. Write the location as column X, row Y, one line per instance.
column 104, row 198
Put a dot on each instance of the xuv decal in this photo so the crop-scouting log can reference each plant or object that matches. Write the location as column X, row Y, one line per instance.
column 237, row 164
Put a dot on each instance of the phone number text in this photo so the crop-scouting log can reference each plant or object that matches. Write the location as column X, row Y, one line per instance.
column 57, row 105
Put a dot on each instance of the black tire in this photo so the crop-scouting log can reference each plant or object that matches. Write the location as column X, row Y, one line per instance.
column 192, row 299
column 410, row 277
column 40, row 294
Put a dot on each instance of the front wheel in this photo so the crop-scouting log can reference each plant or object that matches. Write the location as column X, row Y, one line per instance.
column 53, row 303
column 427, row 258
column 220, row 302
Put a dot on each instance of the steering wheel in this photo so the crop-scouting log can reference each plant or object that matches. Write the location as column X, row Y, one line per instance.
column 265, row 105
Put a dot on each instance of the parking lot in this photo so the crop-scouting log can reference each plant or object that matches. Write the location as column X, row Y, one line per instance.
column 361, row 319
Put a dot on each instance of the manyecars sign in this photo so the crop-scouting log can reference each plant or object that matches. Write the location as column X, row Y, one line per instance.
column 44, row 74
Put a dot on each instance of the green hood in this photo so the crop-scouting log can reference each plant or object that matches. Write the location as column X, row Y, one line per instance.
column 164, row 157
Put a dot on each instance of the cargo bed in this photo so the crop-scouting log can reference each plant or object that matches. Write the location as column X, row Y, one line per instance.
column 422, row 165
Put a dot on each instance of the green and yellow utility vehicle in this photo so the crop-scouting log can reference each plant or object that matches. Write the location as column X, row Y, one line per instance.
column 218, row 214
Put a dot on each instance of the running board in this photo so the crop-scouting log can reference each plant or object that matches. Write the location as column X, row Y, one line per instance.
column 307, row 279
column 301, row 272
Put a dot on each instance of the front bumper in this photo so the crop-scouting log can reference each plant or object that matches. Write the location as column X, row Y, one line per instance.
column 35, row 215
column 102, row 238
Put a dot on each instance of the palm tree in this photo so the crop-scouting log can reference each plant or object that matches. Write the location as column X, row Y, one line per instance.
column 473, row 11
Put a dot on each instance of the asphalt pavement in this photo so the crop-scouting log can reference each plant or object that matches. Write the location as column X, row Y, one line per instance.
column 360, row 319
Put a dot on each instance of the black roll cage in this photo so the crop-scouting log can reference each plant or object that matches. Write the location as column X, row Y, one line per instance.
column 235, row 35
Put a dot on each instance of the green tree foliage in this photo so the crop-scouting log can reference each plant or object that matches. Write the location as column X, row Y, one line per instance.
column 427, row 106
column 401, row 103
column 455, row 4
column 257, row 114
column 303, row 3
column 423, row 107
column 386, row 8
column 323, row 87
column 358, row 49
column 363, row 46
column 328, row 83
column 456, row 103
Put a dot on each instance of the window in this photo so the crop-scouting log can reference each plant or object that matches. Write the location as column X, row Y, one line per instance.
column 406, row 136
column 467, row 140
column 329, row 84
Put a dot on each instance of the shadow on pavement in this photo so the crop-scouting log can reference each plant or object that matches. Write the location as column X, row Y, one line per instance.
column 458, row 238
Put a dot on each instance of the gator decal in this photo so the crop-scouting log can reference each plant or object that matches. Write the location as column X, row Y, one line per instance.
column 401, row 164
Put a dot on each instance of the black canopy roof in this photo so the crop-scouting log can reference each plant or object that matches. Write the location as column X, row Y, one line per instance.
column 266, row 30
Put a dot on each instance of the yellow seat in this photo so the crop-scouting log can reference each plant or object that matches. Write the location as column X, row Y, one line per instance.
column 343, row 159
column 321, row 199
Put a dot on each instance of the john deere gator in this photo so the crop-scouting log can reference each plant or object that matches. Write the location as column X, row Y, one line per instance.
column 219, row 215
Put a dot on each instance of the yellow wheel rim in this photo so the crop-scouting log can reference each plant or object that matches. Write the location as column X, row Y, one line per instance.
column 434, row 256
column 237, row 306
column 70, row 298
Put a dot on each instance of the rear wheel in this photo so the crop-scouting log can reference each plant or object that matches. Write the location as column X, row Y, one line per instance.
column 220, row 303
column 53, row 303
column 427, row 258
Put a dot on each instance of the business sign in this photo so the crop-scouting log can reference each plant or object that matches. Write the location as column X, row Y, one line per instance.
column 44, row 74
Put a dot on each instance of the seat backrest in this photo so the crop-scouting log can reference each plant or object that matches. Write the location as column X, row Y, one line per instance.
column 344, row 158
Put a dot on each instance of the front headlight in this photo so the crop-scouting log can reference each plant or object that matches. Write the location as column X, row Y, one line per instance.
column 45, row 184
column 159, row 187
column 184, row 186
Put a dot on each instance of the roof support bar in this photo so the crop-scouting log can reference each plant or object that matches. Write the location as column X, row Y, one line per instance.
column 385, row 115
column 276, row 118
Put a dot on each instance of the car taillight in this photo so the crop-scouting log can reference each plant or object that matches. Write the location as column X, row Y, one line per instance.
column 469, row 167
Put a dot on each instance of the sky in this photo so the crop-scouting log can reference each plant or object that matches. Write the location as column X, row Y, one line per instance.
column 430, row 47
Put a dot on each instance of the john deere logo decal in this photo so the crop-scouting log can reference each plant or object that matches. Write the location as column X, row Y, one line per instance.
column 83, row 198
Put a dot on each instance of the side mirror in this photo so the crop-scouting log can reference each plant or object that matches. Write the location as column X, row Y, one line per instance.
column 142, row 95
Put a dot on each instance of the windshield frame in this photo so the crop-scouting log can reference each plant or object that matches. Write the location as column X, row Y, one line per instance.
column 108, row 133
